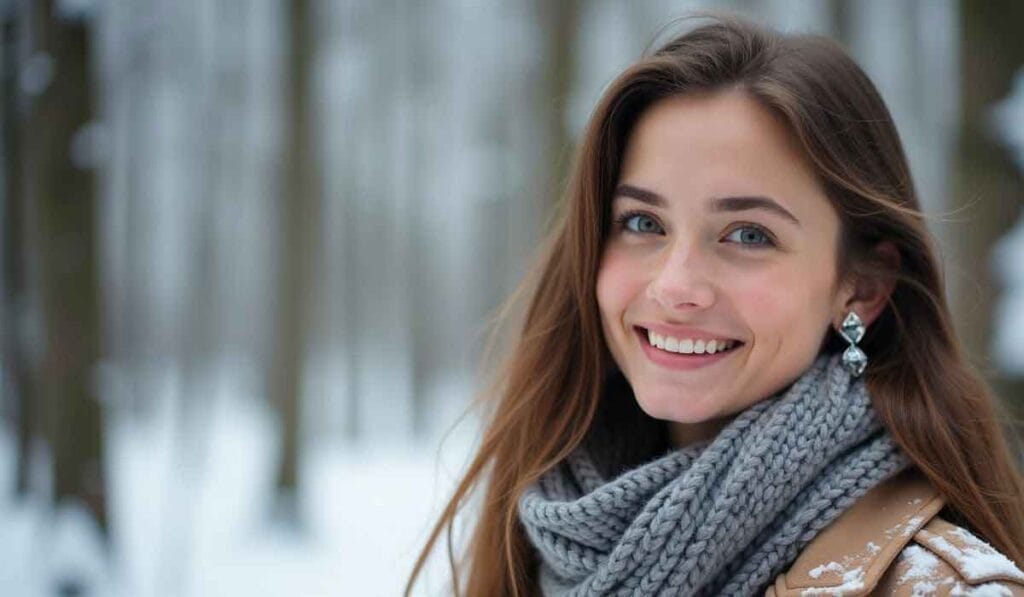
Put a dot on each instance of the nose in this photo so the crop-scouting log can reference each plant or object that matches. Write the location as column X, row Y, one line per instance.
column 682, row 279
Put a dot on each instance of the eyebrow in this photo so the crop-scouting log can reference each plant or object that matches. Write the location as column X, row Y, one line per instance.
column 717, row 204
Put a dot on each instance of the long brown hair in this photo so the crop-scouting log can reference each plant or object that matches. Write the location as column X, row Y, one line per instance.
column 547, row 391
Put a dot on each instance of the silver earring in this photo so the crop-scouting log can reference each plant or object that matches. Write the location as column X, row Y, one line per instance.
column 854, row 359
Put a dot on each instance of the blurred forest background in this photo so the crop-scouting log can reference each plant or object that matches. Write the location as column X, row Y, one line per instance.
column 250, row 249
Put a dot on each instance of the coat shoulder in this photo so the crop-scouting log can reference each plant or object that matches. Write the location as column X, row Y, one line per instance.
column 946, row 559
column 892, row 541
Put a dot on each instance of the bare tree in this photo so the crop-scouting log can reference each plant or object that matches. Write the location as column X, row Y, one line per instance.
column 298, row 216
column 992, row 50
column 559, row 22
column 61, row 177
column 16, row 363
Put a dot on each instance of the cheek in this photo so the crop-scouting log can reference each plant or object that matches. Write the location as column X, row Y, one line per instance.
column 786, row 303
column 616, row 285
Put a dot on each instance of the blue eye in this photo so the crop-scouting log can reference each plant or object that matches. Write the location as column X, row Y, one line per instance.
column 751, row 236
column 646, row 223
column 756, row 236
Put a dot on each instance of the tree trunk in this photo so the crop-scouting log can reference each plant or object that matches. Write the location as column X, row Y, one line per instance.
column 559, row 22
column 16, row 364
column 298, row 216
column 989, row 186
column 62, row 179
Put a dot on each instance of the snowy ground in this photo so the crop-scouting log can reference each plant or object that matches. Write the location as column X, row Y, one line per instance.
column 182, row 528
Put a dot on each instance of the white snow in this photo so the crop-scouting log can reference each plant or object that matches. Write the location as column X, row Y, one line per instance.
column 922, row 563
column 1007, row 343
column 853, row 580
column 852, row 575
column 922, row 570
column 906, row 528
column 1006, row 118
column 193, row 520
column 991, row 589
column 977, row 558
column 830, row 567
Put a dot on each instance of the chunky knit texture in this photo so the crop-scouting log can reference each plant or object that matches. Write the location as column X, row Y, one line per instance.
column 721, row 517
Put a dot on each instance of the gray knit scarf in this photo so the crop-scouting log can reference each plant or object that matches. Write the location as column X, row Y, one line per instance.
column 722, row 517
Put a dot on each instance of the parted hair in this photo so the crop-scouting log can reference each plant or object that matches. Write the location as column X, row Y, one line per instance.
column 547, row 390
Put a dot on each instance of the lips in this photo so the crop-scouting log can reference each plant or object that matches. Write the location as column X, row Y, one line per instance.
column 643, row 334
column 680, row 362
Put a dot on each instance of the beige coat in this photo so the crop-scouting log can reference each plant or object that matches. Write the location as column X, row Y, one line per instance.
column 893, row 542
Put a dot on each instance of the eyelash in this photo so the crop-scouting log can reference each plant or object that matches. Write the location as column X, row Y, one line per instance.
column 620, row 223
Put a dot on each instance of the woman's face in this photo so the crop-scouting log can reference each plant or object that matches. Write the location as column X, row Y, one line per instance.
column 720, row 231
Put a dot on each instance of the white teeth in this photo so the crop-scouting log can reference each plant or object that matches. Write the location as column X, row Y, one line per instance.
column 688, row 345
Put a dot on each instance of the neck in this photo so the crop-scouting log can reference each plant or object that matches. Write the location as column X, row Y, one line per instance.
column 685, row 434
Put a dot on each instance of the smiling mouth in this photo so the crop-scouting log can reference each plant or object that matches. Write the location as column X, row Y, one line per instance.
column 645, row 338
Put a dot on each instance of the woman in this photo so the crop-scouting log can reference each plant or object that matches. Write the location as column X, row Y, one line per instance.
column 737, row 372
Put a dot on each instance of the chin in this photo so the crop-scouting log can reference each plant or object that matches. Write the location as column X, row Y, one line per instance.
column 675, row 410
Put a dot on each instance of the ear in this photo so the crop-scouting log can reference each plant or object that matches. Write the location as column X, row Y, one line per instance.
column 868, row 295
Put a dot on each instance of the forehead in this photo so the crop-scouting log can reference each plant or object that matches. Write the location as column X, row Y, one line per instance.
column 697, row 147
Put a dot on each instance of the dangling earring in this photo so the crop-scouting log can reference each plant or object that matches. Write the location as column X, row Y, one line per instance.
column 854, row 359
